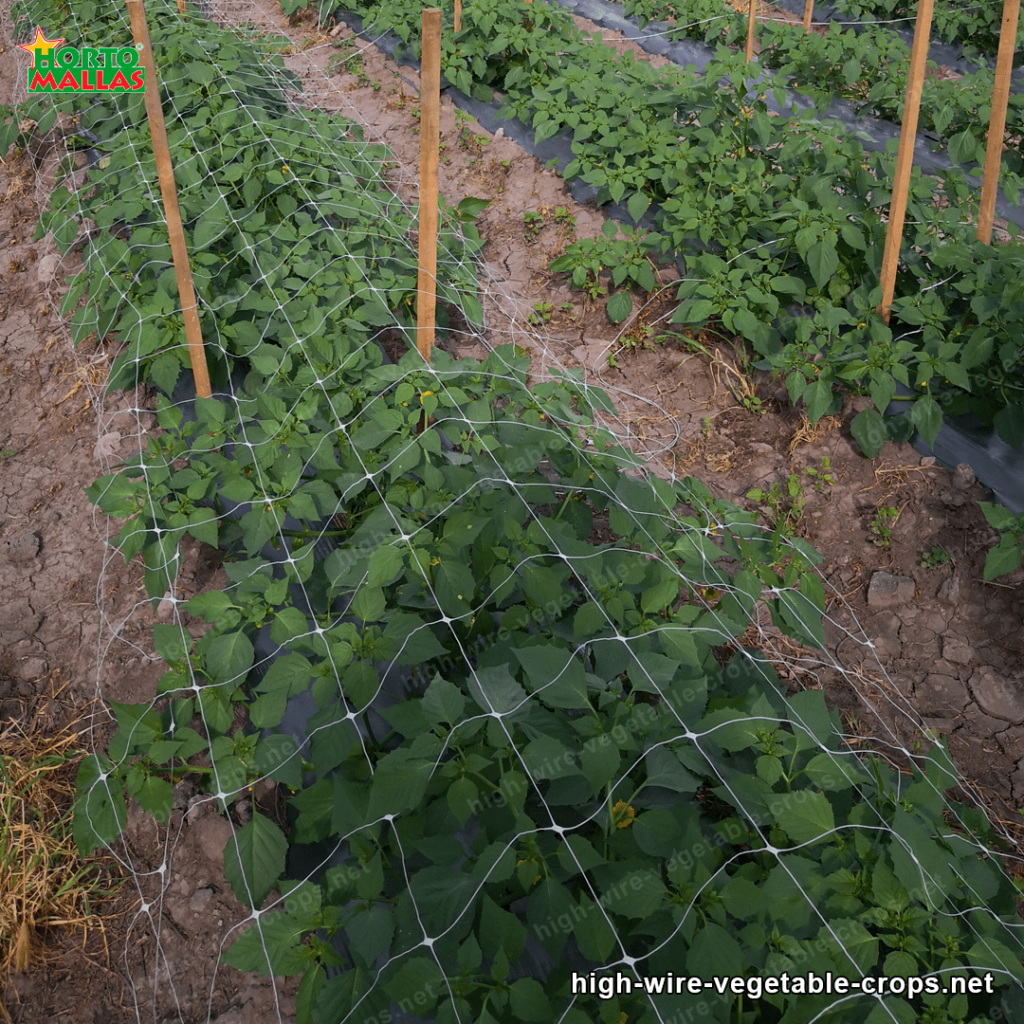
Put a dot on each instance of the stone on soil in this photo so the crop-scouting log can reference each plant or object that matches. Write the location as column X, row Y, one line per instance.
column 888, row 591
column 998, row 696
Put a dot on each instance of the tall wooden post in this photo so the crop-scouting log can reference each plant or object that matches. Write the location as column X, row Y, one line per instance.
column 905, row 156
column 430, row 103
column 997, row 119
column 165, row 172
column 751, row 22
column 808, row 12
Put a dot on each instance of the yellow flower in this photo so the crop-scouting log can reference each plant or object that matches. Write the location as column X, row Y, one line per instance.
column 423, row 394
column 623, row 814
column 284, row 168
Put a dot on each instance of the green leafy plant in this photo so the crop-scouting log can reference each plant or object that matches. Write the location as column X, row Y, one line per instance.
column 882, row 524
column 822, row 475
column 533, row 222
column 935, row 557
column 541, row 313
column 1006, row 556
column 627, row 258
column 785, row 505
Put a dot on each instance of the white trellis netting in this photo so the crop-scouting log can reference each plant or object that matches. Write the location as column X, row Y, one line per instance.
column 529, row 760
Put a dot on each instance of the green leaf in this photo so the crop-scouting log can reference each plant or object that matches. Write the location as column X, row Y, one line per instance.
column 804, row 815
column 370, row 933
column 155, row 796
column 271, row 946
column 664, row 770
column 556, row 675
column 963, row 147
column 229, row 657
column 169, row 641
column 868, row 431
column 714, row 952
column 463, row 799
column 386, row 565
column 1004, row 558
column 833, row 772
column 443, row 701
column 637, row 205
column 369, row 605
column 1009, row 424
column 926, row 415
column 419, row 976
column 529, row 1001
column 100, row 810
column 399, row 783
column 620, row 305
column 500, row 929
column 823, row 261
column 254, row 860
column 209, row 606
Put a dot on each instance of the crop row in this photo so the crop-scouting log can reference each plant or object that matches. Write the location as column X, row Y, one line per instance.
column 869, row 68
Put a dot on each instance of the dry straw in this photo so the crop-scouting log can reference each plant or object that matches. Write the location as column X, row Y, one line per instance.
column 44, row 885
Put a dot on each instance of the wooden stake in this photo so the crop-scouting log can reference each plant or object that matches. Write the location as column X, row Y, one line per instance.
column 905, row 156
column 997, row 119
column 808, row 11
column 165, row 172
column 181, row 7
column 430, row 102
column 751, row 22
column 458, row 15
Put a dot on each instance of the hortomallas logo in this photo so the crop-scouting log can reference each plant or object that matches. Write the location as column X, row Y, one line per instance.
column 103, row 69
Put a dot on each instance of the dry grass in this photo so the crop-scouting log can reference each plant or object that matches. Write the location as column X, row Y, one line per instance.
column 43, row 883
column 811, row 433
column 89, row 376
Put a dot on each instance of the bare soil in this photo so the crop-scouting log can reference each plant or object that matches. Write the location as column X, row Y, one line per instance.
column 909, row 648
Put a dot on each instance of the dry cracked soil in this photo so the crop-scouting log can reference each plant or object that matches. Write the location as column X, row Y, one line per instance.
column 910, row 648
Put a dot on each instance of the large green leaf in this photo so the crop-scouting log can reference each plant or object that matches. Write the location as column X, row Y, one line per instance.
column 804, row 815
column 254, row 860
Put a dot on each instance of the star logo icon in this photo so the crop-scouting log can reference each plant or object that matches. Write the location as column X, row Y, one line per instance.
column 40, row 46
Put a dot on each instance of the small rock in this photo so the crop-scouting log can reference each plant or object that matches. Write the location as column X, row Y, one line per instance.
column 928, row 460
column 33, row 669
column 214, row 835
column 949, row 590
column 107, row 446
column 998, row 696
column 46, row 268
column 887, row 591
column 963, row 477
column 954, row 499
column 24, row 547
column 956, row 651
column 165, row 609
column 499, row 134
column 200, row 899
